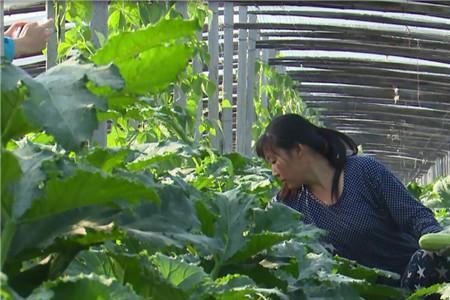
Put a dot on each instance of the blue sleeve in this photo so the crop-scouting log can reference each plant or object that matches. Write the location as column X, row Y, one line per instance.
column 409, row 214
column 9, row 48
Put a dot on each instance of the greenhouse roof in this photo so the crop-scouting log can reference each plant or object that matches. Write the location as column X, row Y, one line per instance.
column 377, row 70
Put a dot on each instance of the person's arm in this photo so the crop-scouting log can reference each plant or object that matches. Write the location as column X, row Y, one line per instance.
column 28, row 38
column 411, row 215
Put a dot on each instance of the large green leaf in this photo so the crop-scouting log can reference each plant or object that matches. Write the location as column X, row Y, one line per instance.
column 143, row 275
column 134, row 269
column 11, row 173
column 127, row 45
column 171, row 224
column 87, row 188
column 353, row 269
column 206, row 217
column 277, row 217
column 442, row 187
column 57, row 233
column 84, row 287
column 233, row 208
column 14, row 123
column 31, row 158
column 259, row 242
column 151, row 153
column 108, row 159
column 181, row 274
column 68, row 109
column 15, row 86
column 149, row 59
column 153, row 70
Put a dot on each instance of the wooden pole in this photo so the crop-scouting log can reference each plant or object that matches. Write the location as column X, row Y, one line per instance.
column 52, row 48
column 228, row 78
column 242, row 83
column 250, row 116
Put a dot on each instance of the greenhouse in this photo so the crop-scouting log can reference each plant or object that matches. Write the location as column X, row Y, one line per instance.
column 229, row 149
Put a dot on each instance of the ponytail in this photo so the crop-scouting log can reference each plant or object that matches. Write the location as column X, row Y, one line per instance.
column 335, row 151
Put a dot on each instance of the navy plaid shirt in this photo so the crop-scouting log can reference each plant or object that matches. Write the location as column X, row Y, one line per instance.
column 376, row 221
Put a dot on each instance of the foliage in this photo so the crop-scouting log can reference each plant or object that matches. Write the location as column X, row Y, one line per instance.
column 276, row 95
column 436, row 196
column 155, row 215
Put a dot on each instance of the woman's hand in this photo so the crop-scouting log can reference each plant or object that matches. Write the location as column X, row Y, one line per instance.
column 30, row 38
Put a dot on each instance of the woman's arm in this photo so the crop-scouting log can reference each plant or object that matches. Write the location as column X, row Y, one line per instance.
column 24, row 39
column 410, row 214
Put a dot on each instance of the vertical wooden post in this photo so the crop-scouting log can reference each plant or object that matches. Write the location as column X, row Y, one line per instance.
column 227, row 117
column 242, row 83
column 264, row 80
column 213, row 49
column 198, row 68
column 99, row 24
column 52, row 48
column 250, row 116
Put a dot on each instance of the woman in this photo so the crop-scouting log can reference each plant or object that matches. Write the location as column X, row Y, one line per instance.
column 368, row 213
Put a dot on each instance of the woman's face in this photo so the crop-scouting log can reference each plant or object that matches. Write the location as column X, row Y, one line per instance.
column 287, row 165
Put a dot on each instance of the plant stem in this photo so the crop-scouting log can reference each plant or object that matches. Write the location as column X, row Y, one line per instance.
column 216, row 268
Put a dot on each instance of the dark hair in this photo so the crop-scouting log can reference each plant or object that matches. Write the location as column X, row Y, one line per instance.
column 287, row 131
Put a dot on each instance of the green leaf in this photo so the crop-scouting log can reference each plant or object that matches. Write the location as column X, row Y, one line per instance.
column 171, row 224
column 30, row 158
column 233, row 208
column 235, row 286
column 58, row 233
column 226, row 104
column 79, row 11
column 87, row 188
column 151, row 153
column 94, row 260
column 16, row 85
column 181, row 274
column 83, row 286
column 351, row 268
column 60, row 103
column 240, row 162
column 328, row 290
column 160, row 65
column 11, row 173
column 442, row 187
column 277, row 217
column 425, row 292
column 139, row 271
column 108, row 159
column 127, row 45
column 257, row 243
column 14, row 122
column 206, row 217
column 167, row 225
